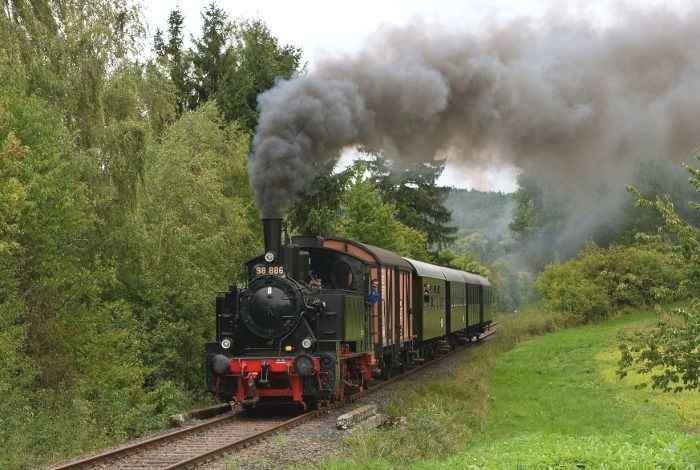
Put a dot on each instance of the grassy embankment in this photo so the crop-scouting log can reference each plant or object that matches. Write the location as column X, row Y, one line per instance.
column 553, row 401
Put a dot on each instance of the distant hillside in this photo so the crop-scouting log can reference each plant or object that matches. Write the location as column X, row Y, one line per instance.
column 485, row 212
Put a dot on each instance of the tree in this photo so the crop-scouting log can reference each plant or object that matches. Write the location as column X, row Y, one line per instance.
column 525, row 213
column 126, row 133
column 537, row 212
column 419, row 201
column 70, row 341
column 176, row 60
column 64, row 50
column 253, row 64
column 657, row 178
column 318, row 213
column 539, row 215
column 367, row 218
column 209, row 54
column 195, row 226
column 670, row 351
column 158, row 99
column 17, row 372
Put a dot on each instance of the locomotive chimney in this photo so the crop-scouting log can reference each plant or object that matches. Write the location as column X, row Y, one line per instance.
column 272, row 228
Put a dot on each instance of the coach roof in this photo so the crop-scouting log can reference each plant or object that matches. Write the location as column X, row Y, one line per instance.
column 426, row 270
column 453, row 275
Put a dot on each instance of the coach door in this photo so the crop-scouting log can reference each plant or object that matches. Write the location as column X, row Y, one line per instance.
column 384, row 310
column 378, row 330
column 389, row 287
column 405, row 306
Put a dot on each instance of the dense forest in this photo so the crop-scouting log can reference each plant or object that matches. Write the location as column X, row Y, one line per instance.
column 126, row 205
column 482, row 219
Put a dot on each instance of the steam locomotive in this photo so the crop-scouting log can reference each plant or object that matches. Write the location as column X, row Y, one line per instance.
column 321, row 317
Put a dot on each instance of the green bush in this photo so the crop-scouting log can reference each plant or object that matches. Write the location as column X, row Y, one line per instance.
column 670, row 350
column 601, row 280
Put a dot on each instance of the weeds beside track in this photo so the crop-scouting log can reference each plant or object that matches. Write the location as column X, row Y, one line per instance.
column 195, row 445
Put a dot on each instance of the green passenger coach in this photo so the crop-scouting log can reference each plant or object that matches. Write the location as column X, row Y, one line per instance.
column 429, row 300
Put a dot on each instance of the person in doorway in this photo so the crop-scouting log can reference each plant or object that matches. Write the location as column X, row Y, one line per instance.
column 373, row 296
column 427, row 289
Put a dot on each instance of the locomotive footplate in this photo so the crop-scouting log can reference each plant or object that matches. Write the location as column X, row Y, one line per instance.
column 272, row 378
column 350, row 355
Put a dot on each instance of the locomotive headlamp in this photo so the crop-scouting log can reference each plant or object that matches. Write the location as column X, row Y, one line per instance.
column 304, row 364
column 269, row 257
column 226, row 343
column 306, row 343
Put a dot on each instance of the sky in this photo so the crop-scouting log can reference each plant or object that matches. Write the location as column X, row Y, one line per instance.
column 326, row 28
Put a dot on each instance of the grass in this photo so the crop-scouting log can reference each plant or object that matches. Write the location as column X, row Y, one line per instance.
column 551, row 402
column 554, row 384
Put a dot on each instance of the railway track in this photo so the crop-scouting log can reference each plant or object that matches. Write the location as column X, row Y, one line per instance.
column 195, row 445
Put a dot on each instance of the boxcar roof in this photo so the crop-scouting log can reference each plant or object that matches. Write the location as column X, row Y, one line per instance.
column 425, row 269
column 384, row 257
column 453, row 275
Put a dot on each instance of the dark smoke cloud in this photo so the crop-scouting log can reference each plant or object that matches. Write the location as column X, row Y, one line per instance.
column 578, row 107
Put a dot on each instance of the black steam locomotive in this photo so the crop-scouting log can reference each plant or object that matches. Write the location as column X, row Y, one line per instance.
column 320, row 317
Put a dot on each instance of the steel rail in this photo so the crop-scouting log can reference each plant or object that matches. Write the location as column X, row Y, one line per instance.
column 126, row 450
column 121, row 452
column 245, row 442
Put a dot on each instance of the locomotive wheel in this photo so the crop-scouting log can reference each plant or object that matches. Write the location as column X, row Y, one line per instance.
column 312, row 403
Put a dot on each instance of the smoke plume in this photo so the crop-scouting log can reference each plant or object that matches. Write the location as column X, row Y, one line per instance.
column 579, row 107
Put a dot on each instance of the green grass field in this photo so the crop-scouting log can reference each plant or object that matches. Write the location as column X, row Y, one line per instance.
column 553, row 401
column 556, row 402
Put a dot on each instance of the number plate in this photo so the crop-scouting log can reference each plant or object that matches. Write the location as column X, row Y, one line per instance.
column 261, row 270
